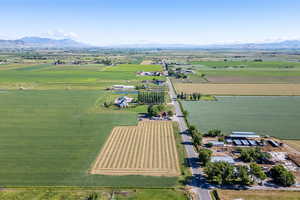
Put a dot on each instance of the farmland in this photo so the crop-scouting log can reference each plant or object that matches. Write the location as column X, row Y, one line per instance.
column 258, row 195
column 51, row 138
column 146, row 149
column 92, row 76
column 274, row 116
column 240, row 89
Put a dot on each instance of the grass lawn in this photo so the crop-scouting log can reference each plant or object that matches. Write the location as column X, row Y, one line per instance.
column 51, row 138
column 276, row 116
column 258, row 195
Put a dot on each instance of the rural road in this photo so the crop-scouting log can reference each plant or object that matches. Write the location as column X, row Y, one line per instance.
column 198, row 182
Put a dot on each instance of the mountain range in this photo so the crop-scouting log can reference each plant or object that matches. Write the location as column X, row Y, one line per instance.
column 288, row 44
column 38, row 42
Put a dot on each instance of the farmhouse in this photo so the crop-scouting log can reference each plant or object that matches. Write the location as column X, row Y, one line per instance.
column 123, row 102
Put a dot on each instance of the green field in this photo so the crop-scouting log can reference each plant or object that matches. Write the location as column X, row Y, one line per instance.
column 276, row 116
column 245, row 72
column 92, row 76
column 83, row 194
column 51, row 138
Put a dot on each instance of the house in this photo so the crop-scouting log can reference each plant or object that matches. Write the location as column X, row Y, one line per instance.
column 123, row 102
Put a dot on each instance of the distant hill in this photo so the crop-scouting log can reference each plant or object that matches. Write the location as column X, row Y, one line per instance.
column 38, row 42
column 289, row 44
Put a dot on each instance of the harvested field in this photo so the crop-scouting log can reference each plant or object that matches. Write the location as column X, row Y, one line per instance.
column 253, row 79
column 258, row 195
column 241, row 89
column 146, row 149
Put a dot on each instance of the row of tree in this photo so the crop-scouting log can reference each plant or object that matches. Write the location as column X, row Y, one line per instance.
column 191, row 97
column 223, row 173
column 196, row 136
column 151, row 97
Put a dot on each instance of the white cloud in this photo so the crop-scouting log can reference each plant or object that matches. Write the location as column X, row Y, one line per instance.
column 60, row 34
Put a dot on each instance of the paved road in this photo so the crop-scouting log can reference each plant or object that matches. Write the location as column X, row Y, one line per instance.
column 198, row 183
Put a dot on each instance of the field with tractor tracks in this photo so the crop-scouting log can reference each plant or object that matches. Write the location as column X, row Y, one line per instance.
column 146, row 149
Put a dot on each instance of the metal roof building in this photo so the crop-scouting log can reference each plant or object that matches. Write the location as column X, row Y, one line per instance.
column 227, row 159
column 238, row 134
column 252, row 142
column 237, row 142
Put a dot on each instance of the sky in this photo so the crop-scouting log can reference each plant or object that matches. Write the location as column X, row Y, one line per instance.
column 114, row 22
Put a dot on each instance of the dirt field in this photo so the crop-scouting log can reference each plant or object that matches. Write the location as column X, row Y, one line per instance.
column 241, row 89
column 146, row 149
column 258, row 195
column 294, row 144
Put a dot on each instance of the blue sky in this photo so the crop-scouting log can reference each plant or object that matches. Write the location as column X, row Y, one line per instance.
column 152, row 21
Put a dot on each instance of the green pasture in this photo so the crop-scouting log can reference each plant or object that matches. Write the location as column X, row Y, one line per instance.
column 90, row 76
column 275, row 116
column 52, row 137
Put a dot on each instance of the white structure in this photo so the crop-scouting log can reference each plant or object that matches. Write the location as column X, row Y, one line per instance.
column 237, row 134
column 227, row 159
column 122, row 102
column 117, row 87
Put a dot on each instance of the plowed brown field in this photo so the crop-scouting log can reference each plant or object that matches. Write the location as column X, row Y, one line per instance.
column 240, row 89
column 146, row 149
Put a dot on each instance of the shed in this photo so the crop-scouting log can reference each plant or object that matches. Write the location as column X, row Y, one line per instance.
column 227, row 159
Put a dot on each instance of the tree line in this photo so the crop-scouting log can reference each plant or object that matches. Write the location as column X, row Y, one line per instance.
column 151, row 97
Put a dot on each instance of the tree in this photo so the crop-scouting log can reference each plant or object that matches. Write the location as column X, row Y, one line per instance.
column 243, row 176
column 185, row 113
column 209, row 145
column 214, row 133
column 282, row 176
column 220, row 173
column 170, row 113
column 204, row 156
column 257, row 172
column 197, row 139
column 254, row 155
